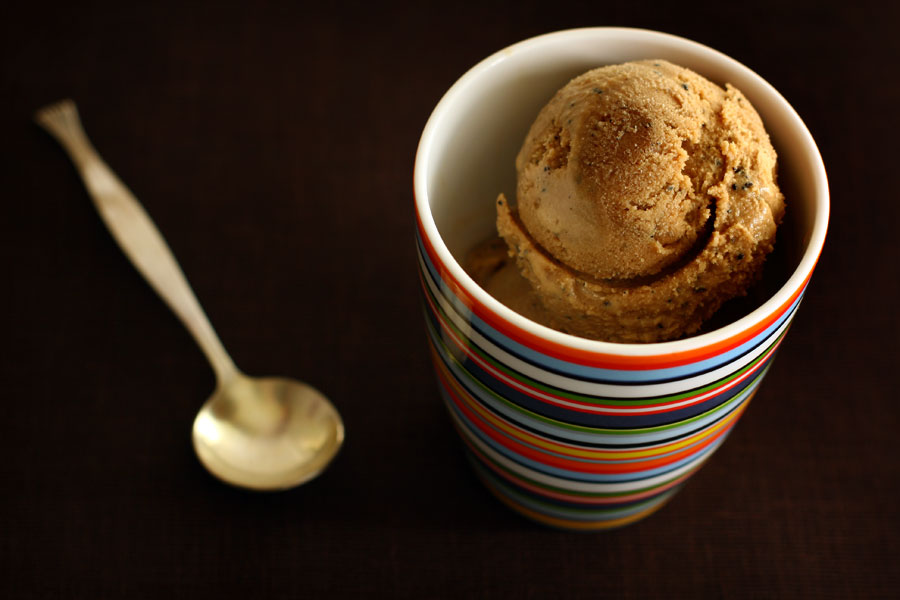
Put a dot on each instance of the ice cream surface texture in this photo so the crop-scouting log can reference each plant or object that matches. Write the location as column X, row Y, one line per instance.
column 646, row 198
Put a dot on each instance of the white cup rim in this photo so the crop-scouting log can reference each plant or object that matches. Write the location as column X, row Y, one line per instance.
column 774, row 303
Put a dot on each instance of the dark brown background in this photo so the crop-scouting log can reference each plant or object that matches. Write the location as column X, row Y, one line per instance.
column 273, row 143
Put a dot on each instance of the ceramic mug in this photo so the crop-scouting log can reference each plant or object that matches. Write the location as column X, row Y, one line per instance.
column 570, row 432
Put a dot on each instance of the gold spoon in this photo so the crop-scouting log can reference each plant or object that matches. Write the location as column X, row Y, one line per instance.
column 258, row 433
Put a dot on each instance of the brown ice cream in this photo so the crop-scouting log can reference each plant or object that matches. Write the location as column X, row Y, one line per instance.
column 646, row 198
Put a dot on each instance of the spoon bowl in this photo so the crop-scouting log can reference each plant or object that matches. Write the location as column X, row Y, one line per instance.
column 257, row 433
column 266, row 433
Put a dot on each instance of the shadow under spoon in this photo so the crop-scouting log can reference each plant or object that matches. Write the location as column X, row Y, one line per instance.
column 258, row 433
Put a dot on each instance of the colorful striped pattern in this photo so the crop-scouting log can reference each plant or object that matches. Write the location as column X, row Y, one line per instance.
column 580, row 440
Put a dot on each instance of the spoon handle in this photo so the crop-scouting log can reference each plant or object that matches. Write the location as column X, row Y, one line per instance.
column 135, row 232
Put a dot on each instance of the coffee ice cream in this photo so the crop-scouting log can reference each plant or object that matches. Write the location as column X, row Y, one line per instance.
column 646, row 198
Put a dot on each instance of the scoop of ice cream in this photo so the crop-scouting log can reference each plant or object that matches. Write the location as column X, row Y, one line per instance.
column 646, row 198
column 610, row 181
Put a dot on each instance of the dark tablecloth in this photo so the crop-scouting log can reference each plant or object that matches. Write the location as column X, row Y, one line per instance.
column 273, row 144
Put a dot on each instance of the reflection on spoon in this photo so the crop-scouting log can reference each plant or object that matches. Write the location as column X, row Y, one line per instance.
column 257, row 433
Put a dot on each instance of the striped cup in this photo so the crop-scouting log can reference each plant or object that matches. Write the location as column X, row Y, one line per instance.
column 570, row 432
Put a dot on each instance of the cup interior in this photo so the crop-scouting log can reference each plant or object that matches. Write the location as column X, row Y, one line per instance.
column 467, row 153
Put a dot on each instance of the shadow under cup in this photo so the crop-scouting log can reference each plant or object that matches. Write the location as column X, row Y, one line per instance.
column 574, row 433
